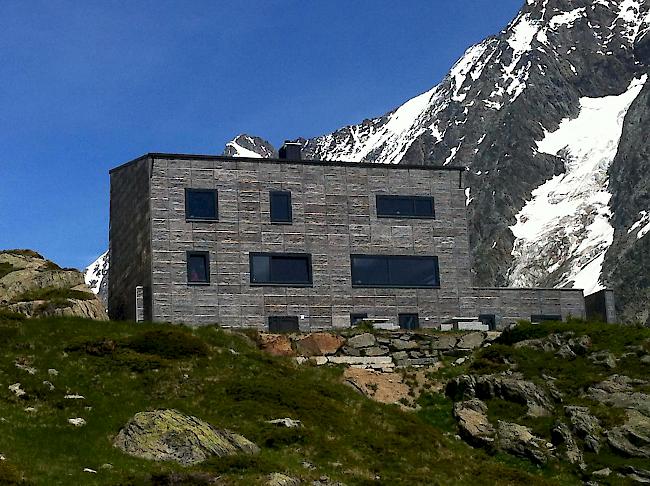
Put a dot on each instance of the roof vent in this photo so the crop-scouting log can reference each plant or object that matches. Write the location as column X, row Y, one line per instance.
column 290, row 151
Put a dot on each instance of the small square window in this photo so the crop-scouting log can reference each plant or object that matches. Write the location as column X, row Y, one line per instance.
column 409, row 321
column 280, row 202
column 198, row 267
column 201, row 205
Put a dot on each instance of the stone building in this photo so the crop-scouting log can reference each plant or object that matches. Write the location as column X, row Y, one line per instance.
column 286, row 244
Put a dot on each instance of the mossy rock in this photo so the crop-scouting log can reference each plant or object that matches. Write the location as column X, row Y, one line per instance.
column 168, row 435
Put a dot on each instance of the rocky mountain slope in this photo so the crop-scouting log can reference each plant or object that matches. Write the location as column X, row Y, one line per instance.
column 550, row 116
column 36, row 287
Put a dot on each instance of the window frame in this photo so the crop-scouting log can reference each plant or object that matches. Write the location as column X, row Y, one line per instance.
column 280, row 193
column 408, row 314
column 390, row 285
column 388, row 197
column 307, row 256
column 195, row 219
column 206, row 256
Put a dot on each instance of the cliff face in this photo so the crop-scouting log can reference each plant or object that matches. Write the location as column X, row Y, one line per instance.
column 549, row 116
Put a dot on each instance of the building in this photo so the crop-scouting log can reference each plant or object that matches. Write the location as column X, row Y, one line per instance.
column 285, row 244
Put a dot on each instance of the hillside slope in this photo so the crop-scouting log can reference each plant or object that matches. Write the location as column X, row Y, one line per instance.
column 510, row 110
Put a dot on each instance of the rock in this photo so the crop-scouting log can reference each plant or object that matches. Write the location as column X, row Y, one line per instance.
column 376, row 351
column 348, row 351
column 638, row 475
column 77, row 421
column 507, row 388
column 402, row 345
column 17, row 390
column 278, row 479
column 618, row 391
column 603, row 473
column 561, row 434
column 444, row 342
column 381, row 387
column 276, row 344
column 49, row 384
column 645, row 359
column 400, row 355
column 459, row 361
column 604, row 358
column 19, row 289
column 519, row 441
column 286, row 422
column 565, row 352
column 168, row 435
column 319, row 344
column 473, row 423
column 633, row 438
column 472, row 340
column 585, row 426
column 52, row 372
column 88, row 470
column 580, row 345
column 364, row 340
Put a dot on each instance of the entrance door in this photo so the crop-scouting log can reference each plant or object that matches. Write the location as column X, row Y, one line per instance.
column 409, row 321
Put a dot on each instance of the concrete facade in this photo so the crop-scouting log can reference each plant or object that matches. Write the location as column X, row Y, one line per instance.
column 334, row 216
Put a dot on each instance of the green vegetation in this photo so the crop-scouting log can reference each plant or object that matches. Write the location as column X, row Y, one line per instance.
column 124, row 368
column 28, row 253
column 54, row 294
column 6, row 269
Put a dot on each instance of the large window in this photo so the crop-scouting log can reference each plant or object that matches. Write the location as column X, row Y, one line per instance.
column 283, row 269
column 280, row 206
column 405, row 207
column 198, row 267
column 395, row 271
column 278, row 324
column 201, row 205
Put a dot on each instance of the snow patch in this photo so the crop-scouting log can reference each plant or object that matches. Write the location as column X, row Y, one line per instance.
column 642, row 225
column 567, row 18
column 567, row 220
column 95, row 273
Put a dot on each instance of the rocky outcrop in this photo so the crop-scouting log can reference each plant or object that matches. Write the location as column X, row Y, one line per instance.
column 585, row 426
column 381, row 387
column 633, row 438
column 510, row 388
column 519, row 441
column 564, row 345
column 473, row 423
column 36, row 287
column 561, row 435
column 319, row 344
column 168, row 435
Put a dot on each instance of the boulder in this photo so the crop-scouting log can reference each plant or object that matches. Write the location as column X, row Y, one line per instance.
column 376, row 351
column 585, row 426
column 382, row 387
column 276, row 344
column 561, row 435
column 364, row 340
column 473, row 423
column 444, row 342
column 168, row 435
column 319, row 344
column 604, row 358
column 402, row 345
column 618, row 391
column 633, row 438
column 278, row 479
column 519, row 441
column 471, row 340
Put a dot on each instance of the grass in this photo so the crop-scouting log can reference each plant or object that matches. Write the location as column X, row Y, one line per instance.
column 123, row 368
column 54, row 294
column 6, row 269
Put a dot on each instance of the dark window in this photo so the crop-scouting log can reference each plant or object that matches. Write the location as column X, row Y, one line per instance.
column 489, row 320
column 409, row 321
column 545, row 317
column 280, row 269
column 395, row 271
column 355, row 318
column 405, row 207
column 201, row 204
column 198, row 267
column 283, row 324
column 280, row 206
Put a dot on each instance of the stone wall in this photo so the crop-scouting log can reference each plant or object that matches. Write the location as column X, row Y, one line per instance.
column 129, row 239
column 334, row 215
column 510, row 305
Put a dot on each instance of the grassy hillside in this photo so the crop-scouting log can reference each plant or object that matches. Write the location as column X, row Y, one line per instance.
column 124, row 368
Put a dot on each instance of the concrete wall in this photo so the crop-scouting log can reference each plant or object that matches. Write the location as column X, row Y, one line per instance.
column 129, row 240
column 512, row 304
column 334, row 215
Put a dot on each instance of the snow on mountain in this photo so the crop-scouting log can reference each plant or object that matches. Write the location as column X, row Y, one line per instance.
column 642, row 226
column 96, row 276
column 566, row 223
column 247, row 146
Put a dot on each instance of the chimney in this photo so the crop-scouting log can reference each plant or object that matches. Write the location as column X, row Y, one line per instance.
column 290, row 151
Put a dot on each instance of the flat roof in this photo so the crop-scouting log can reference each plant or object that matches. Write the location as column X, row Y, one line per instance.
column 336, row 163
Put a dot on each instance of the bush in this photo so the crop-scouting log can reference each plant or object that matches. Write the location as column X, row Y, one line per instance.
column 167, row 343
column 522, row 332
column 6, row 269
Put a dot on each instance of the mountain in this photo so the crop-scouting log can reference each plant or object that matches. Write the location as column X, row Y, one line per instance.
column 550, row 116
column 96, row 277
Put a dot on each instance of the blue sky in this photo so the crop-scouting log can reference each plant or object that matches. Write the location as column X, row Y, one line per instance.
column 88, row 85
